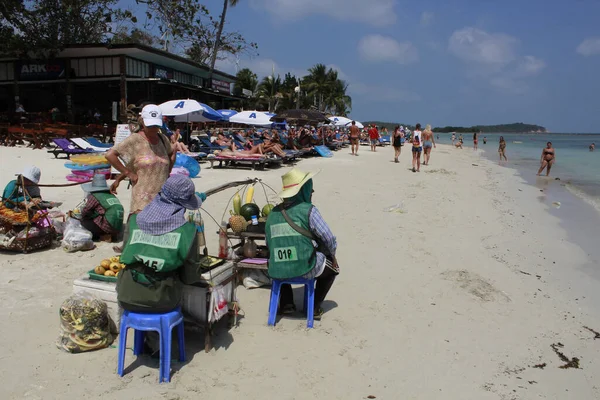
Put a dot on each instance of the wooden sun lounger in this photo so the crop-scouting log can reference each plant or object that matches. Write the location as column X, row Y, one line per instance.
column 232, row 162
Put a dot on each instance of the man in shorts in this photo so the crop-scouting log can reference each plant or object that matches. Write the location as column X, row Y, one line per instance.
column 354, row 134
column 373, row 137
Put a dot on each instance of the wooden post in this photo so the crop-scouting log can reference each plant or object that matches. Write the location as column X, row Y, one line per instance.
column 69, row 91
column 123, row 89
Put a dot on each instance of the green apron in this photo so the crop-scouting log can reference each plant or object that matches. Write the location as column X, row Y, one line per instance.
column 290, row 253
column 150, row 282
column 113, row 209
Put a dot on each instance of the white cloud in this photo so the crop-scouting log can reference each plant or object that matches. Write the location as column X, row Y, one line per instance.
column 493, row 59
column 375, row 48
column 530, row 65
column 589, row 47
column 374, row 12
column 426, row 18
column 474, row 45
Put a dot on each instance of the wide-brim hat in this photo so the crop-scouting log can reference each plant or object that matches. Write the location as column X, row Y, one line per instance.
column 293, row 181
column 32, row 173
column 98, row 184
column 167, row 210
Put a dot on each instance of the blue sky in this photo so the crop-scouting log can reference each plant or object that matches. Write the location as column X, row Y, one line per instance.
column 455, row 62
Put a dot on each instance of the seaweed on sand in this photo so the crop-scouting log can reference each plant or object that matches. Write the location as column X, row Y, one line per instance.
column 572, row 363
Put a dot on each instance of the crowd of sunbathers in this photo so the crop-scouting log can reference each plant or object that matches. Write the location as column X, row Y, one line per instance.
column 260, row 142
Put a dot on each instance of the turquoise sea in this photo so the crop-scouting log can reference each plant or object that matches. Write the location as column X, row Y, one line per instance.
column 577, row 168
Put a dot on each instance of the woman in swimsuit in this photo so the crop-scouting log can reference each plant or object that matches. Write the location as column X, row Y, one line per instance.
column 416, row 149
column 502, row 148
column 548, row 158
column 397, row 143
column 475, row 141
column 428, row 142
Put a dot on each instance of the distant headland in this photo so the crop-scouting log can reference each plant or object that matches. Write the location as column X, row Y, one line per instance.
column 517, row 127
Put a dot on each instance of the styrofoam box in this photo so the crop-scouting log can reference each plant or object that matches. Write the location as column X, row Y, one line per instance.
column 105, row 291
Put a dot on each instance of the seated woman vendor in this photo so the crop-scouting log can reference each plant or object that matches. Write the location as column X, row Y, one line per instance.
column 23, row 189
column 103, row 212
column 309, row 246
column 161, row 250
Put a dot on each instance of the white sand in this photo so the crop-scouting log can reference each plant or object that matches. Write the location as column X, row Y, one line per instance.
column 431, row 303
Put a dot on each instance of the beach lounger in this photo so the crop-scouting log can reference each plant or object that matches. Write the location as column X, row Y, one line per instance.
column 95, row 142
column 206, row 143
column 323, row 151
column 86, row 145
column 233, row 161
column 64, row 146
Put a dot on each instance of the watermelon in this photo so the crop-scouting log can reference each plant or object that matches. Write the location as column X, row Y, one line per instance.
column 267, row 210
column 248, row 210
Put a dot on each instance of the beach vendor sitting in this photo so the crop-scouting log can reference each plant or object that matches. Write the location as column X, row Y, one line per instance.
column 103, row 212
column 23, row 189
column 300, row 242
column 160, row 242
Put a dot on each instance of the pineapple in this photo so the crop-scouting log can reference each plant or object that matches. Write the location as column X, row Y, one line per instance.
column 238, row 223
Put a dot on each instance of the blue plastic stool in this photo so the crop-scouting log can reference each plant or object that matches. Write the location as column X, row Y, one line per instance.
column 161, row 323
column 309, row 298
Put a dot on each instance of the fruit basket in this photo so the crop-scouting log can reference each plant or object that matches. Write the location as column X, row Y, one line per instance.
column 24, row 228
column 108, row 270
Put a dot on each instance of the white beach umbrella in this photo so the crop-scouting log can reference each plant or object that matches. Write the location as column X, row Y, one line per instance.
column 180, row 107
column 340, row 121
column 196, row 116
column 256, row 118
column 358, row 124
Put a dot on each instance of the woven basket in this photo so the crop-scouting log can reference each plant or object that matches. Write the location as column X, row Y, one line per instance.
column 32, row 243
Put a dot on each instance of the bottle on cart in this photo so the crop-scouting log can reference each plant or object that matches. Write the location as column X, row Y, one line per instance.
column 196, row 218
column 223, row 242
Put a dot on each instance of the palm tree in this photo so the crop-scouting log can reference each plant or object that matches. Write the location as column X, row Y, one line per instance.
column 213, row 60
column 337, row 101
column 245, row 79
column 269, row 90
column 317, row 83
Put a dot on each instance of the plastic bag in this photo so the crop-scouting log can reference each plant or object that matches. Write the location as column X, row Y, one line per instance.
column 85, row 324
column 76, row 237
column 218, row 304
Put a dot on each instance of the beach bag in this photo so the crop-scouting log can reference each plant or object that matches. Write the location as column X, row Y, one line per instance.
column 84, row 324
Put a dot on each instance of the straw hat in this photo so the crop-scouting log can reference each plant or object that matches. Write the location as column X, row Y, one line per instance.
column 293, row 180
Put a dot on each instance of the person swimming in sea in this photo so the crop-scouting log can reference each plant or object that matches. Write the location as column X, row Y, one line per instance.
column 547, row 159
column 592, row 147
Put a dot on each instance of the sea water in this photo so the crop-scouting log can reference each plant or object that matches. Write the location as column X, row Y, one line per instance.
column 577, row 168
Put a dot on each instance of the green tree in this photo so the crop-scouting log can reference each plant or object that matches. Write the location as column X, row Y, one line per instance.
column 125, row 36
column 217, row 45
column 246, row 79
column 186, row 26
column 269, row 92
column 44, row 27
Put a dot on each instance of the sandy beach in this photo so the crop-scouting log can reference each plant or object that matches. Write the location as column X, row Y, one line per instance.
column 458, row 296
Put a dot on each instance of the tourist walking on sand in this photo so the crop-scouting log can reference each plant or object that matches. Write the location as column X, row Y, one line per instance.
column 397, row 142
column 373, row 137
column 354, row 136
column 148, row 157
column 416, row 149
column 453, row 138
column 475, row 141
column 547, row 159
column 428, row 142
column 502, row 148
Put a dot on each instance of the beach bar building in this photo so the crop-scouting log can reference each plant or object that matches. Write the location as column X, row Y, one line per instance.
column 85, row 80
